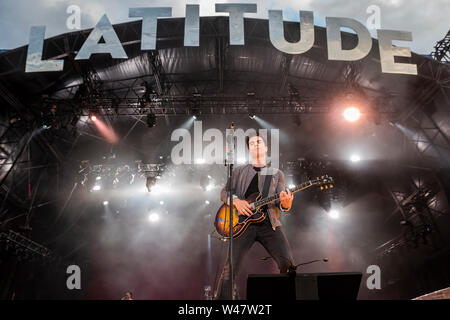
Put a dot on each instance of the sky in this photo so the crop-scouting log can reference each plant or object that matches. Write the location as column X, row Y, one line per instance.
column 427, row 20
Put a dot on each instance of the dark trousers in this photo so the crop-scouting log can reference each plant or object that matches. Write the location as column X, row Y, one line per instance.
column 274, row 241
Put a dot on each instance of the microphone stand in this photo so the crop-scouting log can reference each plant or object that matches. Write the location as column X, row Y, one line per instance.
column 229, row 162
column 293, row 269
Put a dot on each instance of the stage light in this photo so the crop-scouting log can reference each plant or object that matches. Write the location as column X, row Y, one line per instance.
column 209, row 187
column 105, row 203
column 355, row 158
column 161, row 202
column 195, row 113
column 352, row 114
column 98, row 178
column 200, row 161
column 96, row 188
column 252, row 117
column 153, row 217
column 207, row 202
column 93, row 117
column 291, row 186
column 334, row 214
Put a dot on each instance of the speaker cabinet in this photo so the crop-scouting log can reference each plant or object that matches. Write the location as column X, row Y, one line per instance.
column 304, row 286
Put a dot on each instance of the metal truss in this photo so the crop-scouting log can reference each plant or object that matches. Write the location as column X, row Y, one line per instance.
column 419, row 203
column 24, row 248
column 442, row 50
column 429, row 138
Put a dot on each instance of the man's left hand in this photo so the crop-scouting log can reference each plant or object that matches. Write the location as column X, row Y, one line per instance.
column 286, row 198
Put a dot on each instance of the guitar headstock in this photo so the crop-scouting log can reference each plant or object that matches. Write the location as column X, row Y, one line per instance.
column 325, row 182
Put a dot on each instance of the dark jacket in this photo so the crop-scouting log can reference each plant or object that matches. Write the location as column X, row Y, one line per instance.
column 243, row 176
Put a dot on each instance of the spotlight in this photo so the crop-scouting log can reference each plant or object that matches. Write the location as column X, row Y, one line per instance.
column 98, row 178
column 355, row 158
column 351, row 114
column 334, row 214
column 209, row 187
column 161, row 202
column 153, row 217
column 93, row 117
column 200, row 161
column 195, row 113
column 207, row 202
column 105, row 203
column 291, row 186
column 252, row 116
column 96, row 188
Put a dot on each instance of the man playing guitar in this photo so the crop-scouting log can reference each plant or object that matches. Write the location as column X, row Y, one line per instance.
column 248, row 179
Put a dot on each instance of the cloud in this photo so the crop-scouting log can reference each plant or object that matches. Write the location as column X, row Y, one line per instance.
column 427, row 20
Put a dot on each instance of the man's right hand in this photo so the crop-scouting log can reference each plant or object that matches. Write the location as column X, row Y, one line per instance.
column 243, row 207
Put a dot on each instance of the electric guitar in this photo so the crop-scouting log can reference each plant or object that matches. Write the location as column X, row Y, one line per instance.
column 241, row 222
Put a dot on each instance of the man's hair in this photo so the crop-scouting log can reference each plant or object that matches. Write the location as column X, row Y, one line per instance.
column 251, row 135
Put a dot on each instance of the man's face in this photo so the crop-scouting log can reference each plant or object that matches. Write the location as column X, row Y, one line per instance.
column 257, row 147
column 128, row 295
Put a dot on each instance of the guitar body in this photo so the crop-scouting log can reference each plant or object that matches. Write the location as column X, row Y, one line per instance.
column 240, row 222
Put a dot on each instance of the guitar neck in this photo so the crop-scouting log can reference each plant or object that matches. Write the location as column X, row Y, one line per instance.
column 276, row 197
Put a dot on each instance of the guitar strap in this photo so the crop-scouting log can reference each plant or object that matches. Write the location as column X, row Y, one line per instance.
column 266, row 185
